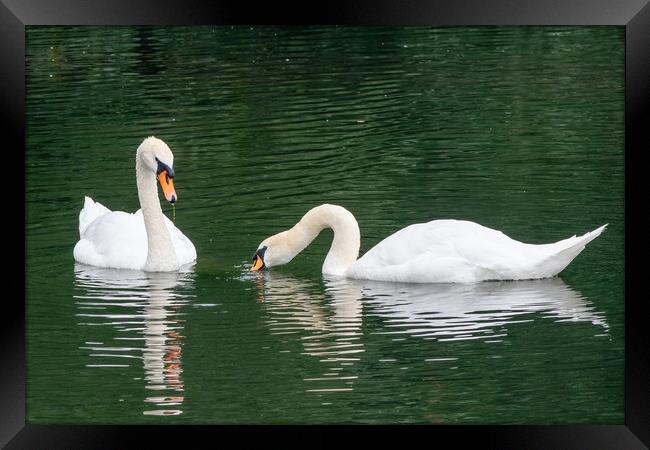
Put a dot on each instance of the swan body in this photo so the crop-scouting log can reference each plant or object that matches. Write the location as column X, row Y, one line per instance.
column 440, row 251
column 144, row 240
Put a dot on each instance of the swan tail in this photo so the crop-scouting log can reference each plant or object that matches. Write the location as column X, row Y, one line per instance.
column 91, row 211
column 563, row 252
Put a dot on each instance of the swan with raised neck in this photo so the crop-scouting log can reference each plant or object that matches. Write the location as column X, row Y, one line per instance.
column 145, row 240
column 283, row 247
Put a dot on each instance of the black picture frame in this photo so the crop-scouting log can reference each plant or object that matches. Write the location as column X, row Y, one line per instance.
column 16, row 14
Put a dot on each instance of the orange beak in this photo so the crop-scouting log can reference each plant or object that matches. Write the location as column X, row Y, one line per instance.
column 257, row 264
column 167, row 184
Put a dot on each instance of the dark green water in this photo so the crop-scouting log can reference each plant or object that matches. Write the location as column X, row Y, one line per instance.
column 519, row 129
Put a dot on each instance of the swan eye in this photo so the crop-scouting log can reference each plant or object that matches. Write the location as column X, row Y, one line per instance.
column 162, row 167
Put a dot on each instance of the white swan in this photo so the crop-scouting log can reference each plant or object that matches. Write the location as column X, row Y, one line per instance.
column 145, row 240
column 439, row 251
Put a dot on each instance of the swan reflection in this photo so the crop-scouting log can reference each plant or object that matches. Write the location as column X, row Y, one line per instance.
column 144, row 310
column 473, row 311
column 328, row 323
column 328, row 318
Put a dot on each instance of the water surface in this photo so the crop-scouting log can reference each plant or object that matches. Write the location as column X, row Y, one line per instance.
column 517, row 128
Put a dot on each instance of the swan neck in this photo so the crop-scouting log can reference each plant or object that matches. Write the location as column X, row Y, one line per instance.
column 161, row 255
column 344, row 250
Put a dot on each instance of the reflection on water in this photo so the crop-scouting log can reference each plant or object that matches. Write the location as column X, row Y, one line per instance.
column 332, row 321
column 329, row 322
column 473, row 311
column 143, row 310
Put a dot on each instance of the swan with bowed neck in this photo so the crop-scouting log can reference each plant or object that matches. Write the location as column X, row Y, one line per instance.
column 145, row 240
column 440, row 251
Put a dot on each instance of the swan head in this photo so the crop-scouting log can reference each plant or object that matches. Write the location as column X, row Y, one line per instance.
column 156, row 156
column 273, row 251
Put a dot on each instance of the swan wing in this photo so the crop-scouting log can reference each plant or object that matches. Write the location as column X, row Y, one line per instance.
column 462, row 251
column 185, row 250
column 115, row 239
column 91, row 211
column 438, row 251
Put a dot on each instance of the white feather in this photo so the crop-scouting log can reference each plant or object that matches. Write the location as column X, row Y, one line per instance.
column 463, row 251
